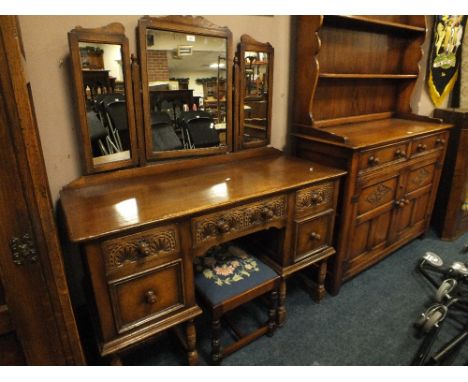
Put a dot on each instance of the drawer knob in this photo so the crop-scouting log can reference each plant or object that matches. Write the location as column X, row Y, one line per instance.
column 143, row 248
column 373, row 161
column 223, row 226
column 315, row 236
column 150, row 297
column 267, row 213
column 440, row 141
column 402, row 202
column 421, row 147
column 400, row 153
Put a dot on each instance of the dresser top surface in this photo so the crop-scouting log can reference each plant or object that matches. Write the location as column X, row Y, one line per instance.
column 373, row 133
column 98, row 209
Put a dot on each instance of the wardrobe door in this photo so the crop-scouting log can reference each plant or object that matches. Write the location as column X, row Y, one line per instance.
column 37, row 325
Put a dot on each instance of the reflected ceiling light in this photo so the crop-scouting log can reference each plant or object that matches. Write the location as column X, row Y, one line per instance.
column 222, row 65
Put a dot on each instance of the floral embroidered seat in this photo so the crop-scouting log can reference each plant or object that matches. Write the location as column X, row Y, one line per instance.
column 228, row 277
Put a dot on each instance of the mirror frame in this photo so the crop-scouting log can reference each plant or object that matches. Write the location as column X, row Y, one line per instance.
column 113, row 34
column 195, row 25
column 248, row 43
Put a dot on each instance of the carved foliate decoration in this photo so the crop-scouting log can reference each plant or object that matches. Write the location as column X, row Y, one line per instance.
column 314, row 197
column 378, row 194
column 238, row 219
column 23, row 250
column 136, row 247
column 421, row 177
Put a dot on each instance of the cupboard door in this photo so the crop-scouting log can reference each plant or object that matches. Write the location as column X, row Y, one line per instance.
column 413, row 209
column 373, row 217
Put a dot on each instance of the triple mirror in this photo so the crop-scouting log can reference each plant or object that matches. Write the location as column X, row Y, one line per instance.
column 184, row 86
column 100, row 59
column 186, row 74
column 255, row 92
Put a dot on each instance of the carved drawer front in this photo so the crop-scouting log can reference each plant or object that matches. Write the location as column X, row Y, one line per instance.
column 377, row 195
column 420, row 177
column 147, row 296
column 317, row 198
column 373, row 159
column 227, row 223
column 160, row 243
column 421, row 146
column 312, row 235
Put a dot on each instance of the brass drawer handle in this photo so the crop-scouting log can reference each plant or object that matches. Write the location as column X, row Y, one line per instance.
column 143, row 248
column 440, row 141
column 421, row 147
column 150, row 297
column 315, row 236
column 223, row 226
column 373, row 161
column 400, row 153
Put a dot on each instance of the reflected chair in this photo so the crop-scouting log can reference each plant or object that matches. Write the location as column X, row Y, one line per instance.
column 118, row 122
column 199, row 128
column 163, row 135
column 226, row 278
column 97, row 132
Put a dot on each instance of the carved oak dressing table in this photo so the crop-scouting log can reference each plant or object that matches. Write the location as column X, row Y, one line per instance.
column 139, row 229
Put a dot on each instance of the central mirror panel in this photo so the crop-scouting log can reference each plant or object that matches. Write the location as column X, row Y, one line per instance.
column 186, row 77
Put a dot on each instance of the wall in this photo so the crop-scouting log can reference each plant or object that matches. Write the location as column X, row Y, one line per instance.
column 46, row 47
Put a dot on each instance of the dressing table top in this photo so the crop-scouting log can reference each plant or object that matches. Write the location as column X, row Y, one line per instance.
column 110, row 203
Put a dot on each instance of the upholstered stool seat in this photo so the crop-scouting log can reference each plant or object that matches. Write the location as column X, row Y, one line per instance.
column 228, row 277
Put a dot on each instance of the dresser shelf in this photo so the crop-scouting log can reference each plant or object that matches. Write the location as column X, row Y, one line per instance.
column 368, row 76
column 376, row 24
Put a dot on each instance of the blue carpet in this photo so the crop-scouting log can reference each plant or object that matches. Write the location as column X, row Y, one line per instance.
column 368, row 323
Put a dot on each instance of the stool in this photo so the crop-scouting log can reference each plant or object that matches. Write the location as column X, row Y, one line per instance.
column 226, row 278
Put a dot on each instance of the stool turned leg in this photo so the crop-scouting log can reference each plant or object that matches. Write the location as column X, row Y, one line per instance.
column 115, row 360
column 191, row 335
column 272, row 311
column 319, row 292
column 282, row 299
column 216, row 353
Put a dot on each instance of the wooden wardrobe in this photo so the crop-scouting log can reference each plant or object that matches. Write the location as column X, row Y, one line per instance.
column 37, row 325
column 354, row 76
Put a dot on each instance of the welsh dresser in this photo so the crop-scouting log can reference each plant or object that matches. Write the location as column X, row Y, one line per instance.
column 354, row 76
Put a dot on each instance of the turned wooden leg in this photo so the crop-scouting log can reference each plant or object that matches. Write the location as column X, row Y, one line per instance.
column 191, row 338
column 281, row 302
column 216, row 352
column 272, row 312
column 115, row 360
column 319, row 291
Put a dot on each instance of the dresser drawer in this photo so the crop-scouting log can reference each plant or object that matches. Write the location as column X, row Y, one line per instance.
column 313, row 235
column 135, row 252
column 148, row 296
column 222, row 226
column 421, row 146
column 315, row 199
column 373, row 159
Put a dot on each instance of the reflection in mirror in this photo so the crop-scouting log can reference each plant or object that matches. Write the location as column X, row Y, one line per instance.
column 255, row 101
column 187, row 82
column 255, row 92
column 105, row 98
